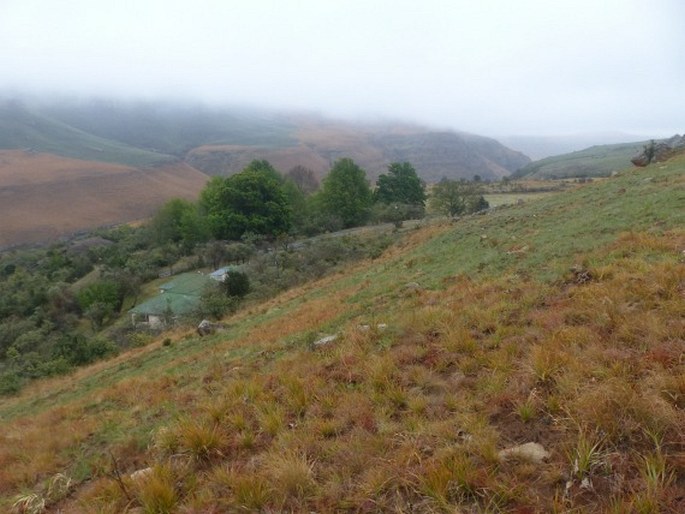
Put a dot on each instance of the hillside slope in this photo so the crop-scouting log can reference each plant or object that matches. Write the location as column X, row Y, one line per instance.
column 596, row 161
column 434, row 154
column 44, row 196
column 25, row 129
column 539, row 147
column 558, row 322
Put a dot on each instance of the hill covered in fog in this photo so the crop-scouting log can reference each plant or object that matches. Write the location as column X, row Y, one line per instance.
column 224, row 140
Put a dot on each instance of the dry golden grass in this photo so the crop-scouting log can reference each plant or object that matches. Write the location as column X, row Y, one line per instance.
column 406, row 418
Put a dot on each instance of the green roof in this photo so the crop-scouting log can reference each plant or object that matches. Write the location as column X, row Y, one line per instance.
column 160, row 304
column 181, row 295
column 186, row 283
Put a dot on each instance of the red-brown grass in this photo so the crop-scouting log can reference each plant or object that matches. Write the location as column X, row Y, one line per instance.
column 407, row 418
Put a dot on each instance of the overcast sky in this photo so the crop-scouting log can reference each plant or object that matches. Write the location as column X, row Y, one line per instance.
column 494, row 67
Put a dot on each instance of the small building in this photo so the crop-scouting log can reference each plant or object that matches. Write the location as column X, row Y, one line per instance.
column 221, row 274
column 177, row 297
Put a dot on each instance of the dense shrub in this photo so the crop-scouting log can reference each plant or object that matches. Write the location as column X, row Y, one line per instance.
column 236, row 284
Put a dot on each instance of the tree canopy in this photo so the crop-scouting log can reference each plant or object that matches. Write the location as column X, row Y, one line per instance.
column 401, row 185
column 178, row 221
column 250, row 201
column 346, row 193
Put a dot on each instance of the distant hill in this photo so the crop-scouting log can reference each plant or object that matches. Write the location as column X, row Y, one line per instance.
column 224, row 140
column 22, row 127
column 596, row 161
column 539, row 147
column 173, row 128
column 434, row 154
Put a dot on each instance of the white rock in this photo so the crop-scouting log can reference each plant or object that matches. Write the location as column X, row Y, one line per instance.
column 533, row 452
column 326, row 340
column 141, row 474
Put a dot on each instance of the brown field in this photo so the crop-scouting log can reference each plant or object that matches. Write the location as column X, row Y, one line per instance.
column 44, row 196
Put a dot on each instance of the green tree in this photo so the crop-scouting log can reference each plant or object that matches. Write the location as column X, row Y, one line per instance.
column 298, row 204
column 346, row 194
column 250, row 201
column 264, row 168
column 455, row 197
column 401, row 186
column 215, row 303
column 106, row 292
column 178, row 221
column 78, row 350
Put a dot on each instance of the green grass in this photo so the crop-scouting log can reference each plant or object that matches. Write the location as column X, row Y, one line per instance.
column 596, row 161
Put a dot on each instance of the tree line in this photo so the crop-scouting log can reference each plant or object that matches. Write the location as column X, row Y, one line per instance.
column 261, row 201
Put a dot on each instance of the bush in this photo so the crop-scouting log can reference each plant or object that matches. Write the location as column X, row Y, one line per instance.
column 396, row 212
column 10, row 383
column 214, row 303
column 78, row 350
column 236, row 284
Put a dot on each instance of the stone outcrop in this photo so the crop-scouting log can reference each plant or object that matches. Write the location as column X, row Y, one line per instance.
column 659, row 151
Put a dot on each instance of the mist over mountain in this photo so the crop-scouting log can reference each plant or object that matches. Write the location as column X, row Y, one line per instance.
column 222, row 140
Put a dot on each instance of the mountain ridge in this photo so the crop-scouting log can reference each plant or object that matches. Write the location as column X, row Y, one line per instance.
column 162, row 131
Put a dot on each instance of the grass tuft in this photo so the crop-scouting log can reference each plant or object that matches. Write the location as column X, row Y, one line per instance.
column 291, row 476
column 202, row 440
column 156, row 492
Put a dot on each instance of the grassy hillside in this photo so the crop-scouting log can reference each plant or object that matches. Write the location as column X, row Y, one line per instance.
column 596, row 161
column 21, row 128
column 557, row 322
column 539, row 147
